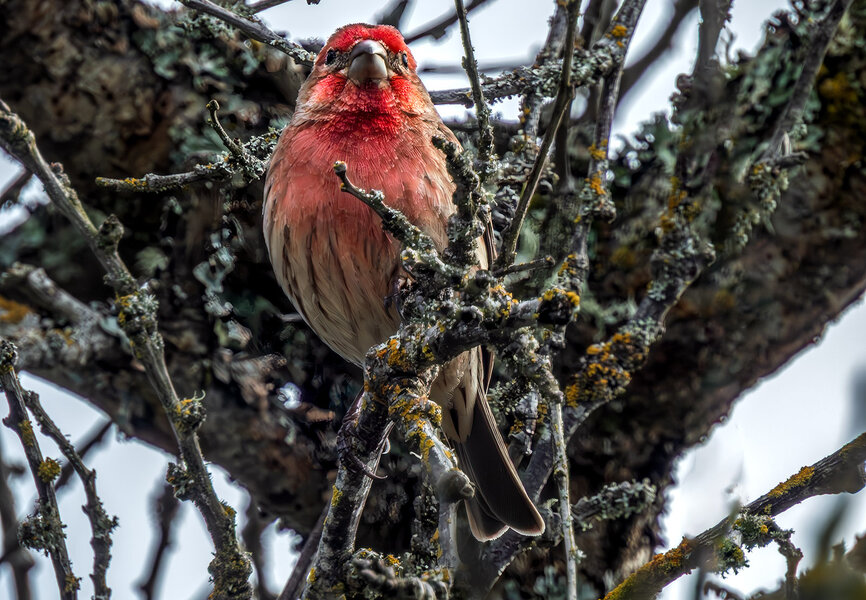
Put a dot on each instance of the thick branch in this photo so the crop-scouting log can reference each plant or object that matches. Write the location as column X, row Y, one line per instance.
column 841, row 472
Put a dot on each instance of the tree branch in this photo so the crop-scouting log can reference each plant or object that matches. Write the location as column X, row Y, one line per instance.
column 17, row 557
column 632, row 74
column 10, row 194
column 561, row 105
column 813, row 59
column 85, row 447
column 254, row 28
column 166, row 508
column 137, row 316
column 840, row 472
column 438, row 29
column 482, row 109
column 43, row 530
column 154, row 183
column 101, row 524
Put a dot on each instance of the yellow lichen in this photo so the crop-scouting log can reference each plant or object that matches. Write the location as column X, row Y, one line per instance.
column 26, row 429
column 394, row 355
column 597, row 153
column 425, row 444
column 619, row 31
column 49, row 470
column 572, row 395
column 568, row 267
column 661, row 564
column 72, row 583
column 799, row 480
column 552, row 293
column 12, row 312
column 336, row 496
column 228, row 510
column 596, row 184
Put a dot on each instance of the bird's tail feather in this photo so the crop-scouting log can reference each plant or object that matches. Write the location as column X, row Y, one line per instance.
column 500, row 498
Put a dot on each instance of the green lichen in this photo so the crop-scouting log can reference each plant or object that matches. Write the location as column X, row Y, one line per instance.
column 731, row 556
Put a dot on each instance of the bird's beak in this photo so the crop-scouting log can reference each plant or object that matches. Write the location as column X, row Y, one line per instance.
column 367, row 62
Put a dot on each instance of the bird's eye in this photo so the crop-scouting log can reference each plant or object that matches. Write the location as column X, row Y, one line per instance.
column 330, row 57
column 405, row 58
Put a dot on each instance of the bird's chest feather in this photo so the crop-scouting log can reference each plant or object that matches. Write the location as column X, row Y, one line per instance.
column 402, row 163
column 328, row 248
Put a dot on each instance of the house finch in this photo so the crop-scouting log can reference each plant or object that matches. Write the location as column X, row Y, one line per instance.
column 364, row 104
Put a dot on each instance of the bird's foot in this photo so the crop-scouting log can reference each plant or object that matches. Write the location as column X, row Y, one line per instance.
column 347, row 452
column 400, row 285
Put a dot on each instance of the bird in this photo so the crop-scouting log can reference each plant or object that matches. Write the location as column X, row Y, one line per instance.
column 364, row 104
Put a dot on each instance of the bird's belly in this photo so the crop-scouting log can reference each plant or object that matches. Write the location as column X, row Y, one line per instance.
column 338, row 267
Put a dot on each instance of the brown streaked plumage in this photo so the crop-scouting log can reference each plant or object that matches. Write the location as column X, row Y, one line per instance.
column 364, row 104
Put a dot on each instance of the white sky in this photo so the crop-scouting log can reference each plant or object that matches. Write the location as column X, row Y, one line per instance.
column 774, row 430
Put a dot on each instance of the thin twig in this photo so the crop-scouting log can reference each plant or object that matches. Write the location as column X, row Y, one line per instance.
column 101, row 524
column 614, row 501
column 363, row 436
column 91, row 341
column 12, row 191
column 161, row 183
column 254, row 29
column 235, row 147
column 137, row 315
column 539, row 78
column 714, row 13
column 393, row 13
column 257, row 7
column 560, row 475
column 632, row 74
column 252, row 536
column 482, row 109
column 532, row 265
column 812, row 61
column 19, row 559
column 43, row 530
column 295, row 585
column 594, row 201
column 41, row 291
column 393, row 221
column 564, row 96
column 92, row 441
column 439, row 28
column 166, row 507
